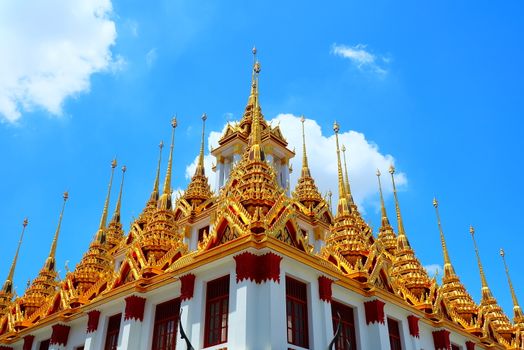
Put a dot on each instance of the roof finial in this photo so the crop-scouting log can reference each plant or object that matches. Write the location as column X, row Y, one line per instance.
column 50, row 262
column 401, row 231
column 305, row 166
column 342, row 197
column 517, row 311
column 8, row 285
column 385, row 220
column 103, row 219
column 348, row 188
column 154, row 194
column 256, row 132
column 165, row 199
column 200, row 166
column 486, row 293
column 448, row 268
column 116, row 214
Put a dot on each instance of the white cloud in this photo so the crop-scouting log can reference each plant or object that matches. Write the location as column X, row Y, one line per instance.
column 49, row 51
column 151, row 57
column 363, row 158
column 361, row 57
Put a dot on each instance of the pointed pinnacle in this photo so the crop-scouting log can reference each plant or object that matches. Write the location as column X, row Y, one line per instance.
column 485, row 289
column 305, row 166
column 200, row 167
column 8, row 285
column 516, row 307
column 154, row 194
column 342, row 198
column 448, row 268
column 167, row 182
column 50, row 262
column 400, row 223
column 385, row 220
column 348, row 188
column 103, row 219
column 116, row 214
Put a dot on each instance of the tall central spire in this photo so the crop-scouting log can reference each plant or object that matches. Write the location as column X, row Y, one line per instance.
column 8, row 285
column 116, row 214
column 165, row 198
column 385, row 220
column 50, row 262
column 342, row 197
column 256, row 152
column 518, row 317
column 154, row 194
column 200, row 166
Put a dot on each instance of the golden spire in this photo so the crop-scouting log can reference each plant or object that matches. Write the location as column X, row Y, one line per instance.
column 386, row 234
column 485, row 289
column 305, row 166
column 342, row 198
column 401, row 230
column 103, row 219
column 385, row 220
column 348, row 188
column 116, row 214
column 154, row 194
column 448, row 268
column 517, row 311
column 165, row 198
column 8, row 285
column 256, row 152
column 254, row 77
column 200, row 166
column 50, row 262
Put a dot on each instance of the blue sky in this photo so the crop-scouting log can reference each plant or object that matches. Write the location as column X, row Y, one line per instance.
column 435, row 88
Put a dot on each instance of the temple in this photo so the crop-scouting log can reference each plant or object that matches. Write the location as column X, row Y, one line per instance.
column 255, row 264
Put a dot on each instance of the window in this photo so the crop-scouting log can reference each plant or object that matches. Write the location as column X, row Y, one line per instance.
column 166, row 323
column 113, row 329
column 201, row 232
column 217, row 309
column 455, row 347
column 296, row 311
column 44, row 344
column 394, row 334
column 347, row 322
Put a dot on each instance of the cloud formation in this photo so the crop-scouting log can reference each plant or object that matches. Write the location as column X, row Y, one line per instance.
column 363, row 158
column 363, row 59
column 49, row 51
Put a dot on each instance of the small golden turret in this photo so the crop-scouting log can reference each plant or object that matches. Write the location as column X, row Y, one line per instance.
column 198, row 190
column 459, row 304
column 306, row 191
column 6, row 294
column 385, row 234
column 496, row 324
column 407, row 270
column 165, row 199
column 343, row 207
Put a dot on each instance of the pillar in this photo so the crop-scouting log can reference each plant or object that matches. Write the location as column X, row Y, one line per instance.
column 377, row 329
column 132, row 324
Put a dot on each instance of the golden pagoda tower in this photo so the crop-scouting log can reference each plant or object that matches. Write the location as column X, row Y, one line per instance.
column 495, row 324
column 306, row 191
column 44, row 286
column 385, row 234
column 152, row 203
column 350, row 235
column 407, row 271
column 459, row 304
column 7, row 292
column 198, row 190
column 97, row 262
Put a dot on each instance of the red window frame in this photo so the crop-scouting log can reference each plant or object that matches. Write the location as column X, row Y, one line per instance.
column 394, row 334
column 455, row 347
column 113, row 331
column 296, row 313
column 347, row 321
column 166, row 323
column 217, row 311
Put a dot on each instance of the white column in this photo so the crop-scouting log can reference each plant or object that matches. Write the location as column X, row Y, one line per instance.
column 219, row 179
